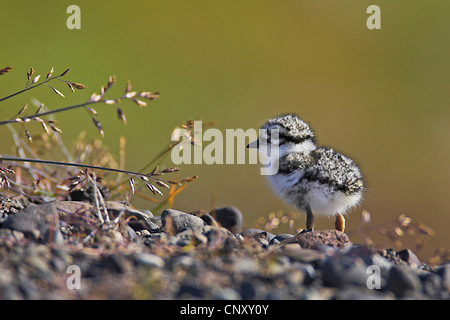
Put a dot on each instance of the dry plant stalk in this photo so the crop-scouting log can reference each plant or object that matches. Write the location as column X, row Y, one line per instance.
column 37, row 168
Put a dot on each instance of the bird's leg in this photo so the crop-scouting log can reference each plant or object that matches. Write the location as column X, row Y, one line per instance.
column 309, row 219
column 340, row 222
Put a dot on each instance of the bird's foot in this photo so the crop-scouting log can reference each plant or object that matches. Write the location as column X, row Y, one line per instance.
column 340, row 222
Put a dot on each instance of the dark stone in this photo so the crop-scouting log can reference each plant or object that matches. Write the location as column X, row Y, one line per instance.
column 33, row 221
column 341, row 270
column 116, row 263
column 402, row 281
column 431, row 283
column 174, row 221
column 444, row 272
column 189, row 291
column 229, row 217
column 280, row 237
column 409, row 257
column 87, row 194
column 209, row 220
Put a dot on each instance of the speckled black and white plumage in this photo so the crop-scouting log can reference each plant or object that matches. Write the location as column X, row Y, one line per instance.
column 312, row 177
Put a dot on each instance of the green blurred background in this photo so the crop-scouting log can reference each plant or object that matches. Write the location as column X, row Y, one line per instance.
column 379, row 96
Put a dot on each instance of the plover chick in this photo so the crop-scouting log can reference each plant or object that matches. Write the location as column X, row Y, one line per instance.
column 316, row 180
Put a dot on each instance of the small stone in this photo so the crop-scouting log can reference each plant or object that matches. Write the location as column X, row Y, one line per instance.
column 444, row 272
column 339, row 271
column 245, row 265
column 257, row 234
column 144, row 217
column 225, row 294
column 370, row 257
column 117, row 263
column 402, row 280
column 54, row 236
column 280, row 237
column 174, row 221
column 296, row 253
column 149, row 260
column 431, row 283
column 229, row 217
column 409, row 257
column 209, row 220
column 18, row 235
column 33, row 221
column 311, row 239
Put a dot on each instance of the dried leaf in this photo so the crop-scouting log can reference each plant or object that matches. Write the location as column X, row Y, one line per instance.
column 92, row 110
column 50, row 73
column 39, row 109
column 130, row 95
column 5, row 70
column 424, row 229
column 403, row 220
column 6, row 170
column 131, row 181
column 154, row 170
column 36, row 79
column 57, row 92
column 64, row 73
column 28, row 135
column 153, row 189
column 95, row 98
column 44, row 125
column 71, row 87
column 111, row 81
column 174, row 169
column 29, row 74
column 189, row 179
column 365, row 216
column 398, row 231
column 121, row 115
column 149, row 95
column 23, row 109
column 99, row 126
column 78, row 86
column 129, row 87
column 162, row 184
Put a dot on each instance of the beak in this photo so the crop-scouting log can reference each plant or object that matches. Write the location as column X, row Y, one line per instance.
column 254, row 144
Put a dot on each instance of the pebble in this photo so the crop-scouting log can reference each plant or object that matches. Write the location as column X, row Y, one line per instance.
column 228, row 217
column 33, row 221
column 402, row 280
column 209, row 220
column 338, row 271
column 174, row 221
column 444, row 272
column 149, row 260
column 280, row 238
column 409, row 257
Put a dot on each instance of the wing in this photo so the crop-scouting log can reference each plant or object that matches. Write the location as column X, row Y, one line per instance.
column 332, row 168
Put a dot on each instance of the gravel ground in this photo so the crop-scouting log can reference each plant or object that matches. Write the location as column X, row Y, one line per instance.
column 62, row 251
